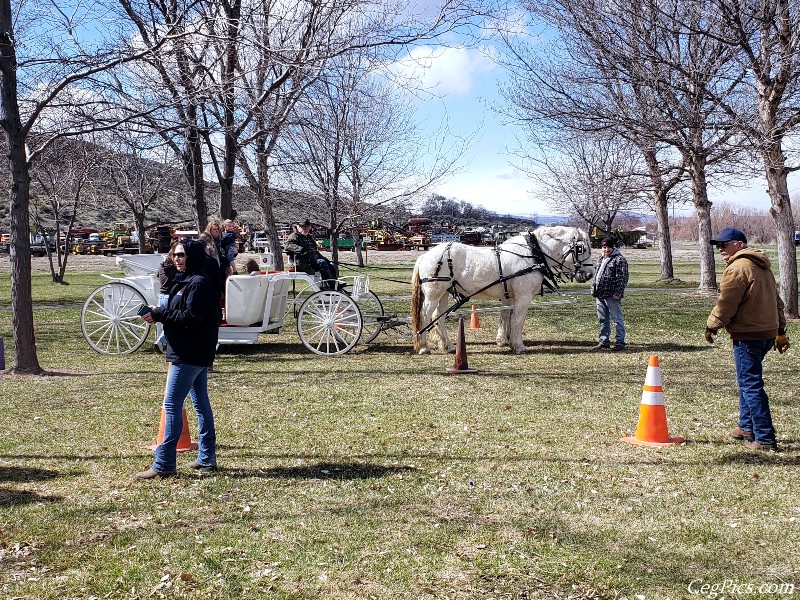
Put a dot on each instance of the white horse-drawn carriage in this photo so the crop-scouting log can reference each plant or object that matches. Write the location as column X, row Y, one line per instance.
column 332, row 322
column 328, row 322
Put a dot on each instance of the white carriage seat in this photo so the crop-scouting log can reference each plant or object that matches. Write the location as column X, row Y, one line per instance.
column 140, row 264
column 244, row 299
column 147, row 284
column 280, row 296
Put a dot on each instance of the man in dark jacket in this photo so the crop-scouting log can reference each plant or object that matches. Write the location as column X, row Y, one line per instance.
column 751, row 311
column 608, row 288
column 191, row 328
column 303, row 246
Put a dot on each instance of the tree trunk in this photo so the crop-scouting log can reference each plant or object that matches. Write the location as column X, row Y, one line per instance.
column 193, row 164
column 138, row 218
column 664, row 236
column 708, row 274
column 233, row 14
column 25, row 359
column 781, row 211
column 660, row 200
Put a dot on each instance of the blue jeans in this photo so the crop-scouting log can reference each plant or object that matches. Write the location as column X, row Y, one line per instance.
column 183, row 380
column 325, row 268
column 609, row 310
column 754, row 412
column 163, row 302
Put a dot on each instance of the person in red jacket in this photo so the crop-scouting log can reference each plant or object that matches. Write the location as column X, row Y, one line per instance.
column 751, row 311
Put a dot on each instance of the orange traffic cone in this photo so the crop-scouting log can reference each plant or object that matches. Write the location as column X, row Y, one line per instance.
column 460, row 365
column 184, row 443
column 652, row 429
column 473, row 321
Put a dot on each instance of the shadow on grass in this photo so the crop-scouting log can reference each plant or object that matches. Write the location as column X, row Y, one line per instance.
column 674, row 456
column 258, row 352
column 10, row 497
column 341, row 471
column 26, row 474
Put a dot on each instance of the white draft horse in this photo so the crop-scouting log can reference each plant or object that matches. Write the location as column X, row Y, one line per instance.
column 512, row 272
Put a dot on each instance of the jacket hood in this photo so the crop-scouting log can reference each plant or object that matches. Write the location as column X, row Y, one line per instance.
column 195, row 256
column 753, row 254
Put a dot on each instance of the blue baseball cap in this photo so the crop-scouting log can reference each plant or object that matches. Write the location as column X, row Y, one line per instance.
column 729, row 234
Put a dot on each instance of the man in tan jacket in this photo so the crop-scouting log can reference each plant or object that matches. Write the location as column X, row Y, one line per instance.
column 751, row 311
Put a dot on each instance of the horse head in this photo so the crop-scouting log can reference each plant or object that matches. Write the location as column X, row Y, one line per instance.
column 569, row 252
column 582, row 256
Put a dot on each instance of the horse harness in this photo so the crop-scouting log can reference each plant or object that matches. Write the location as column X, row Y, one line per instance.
column 550, row 280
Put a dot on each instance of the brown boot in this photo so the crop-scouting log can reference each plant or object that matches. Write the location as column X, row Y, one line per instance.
column 153, row 474
column 740, row 434
column 753, row 445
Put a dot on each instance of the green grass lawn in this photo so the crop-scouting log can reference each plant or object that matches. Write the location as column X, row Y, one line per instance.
column 376, row 475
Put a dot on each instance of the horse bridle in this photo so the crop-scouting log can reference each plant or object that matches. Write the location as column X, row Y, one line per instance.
column 576, row 248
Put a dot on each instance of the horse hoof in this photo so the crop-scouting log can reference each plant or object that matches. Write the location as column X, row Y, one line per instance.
column 451, row 350
column 424, row 351
column 502, row 343
column 522, row 350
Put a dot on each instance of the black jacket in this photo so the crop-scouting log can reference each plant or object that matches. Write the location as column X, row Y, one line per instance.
column 305, row 251
column 190, row 321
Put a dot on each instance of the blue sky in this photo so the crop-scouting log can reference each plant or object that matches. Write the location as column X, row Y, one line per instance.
column 466, row 82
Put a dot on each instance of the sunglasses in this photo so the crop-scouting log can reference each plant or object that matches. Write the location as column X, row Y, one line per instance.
column 179, row 255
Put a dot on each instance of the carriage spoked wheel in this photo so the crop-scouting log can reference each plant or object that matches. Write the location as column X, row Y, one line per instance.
column 371, row 313
column 329, row 323
column 301, row 291
column 109, row 320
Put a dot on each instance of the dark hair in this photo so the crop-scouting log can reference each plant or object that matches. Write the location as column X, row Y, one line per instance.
column 251, row 266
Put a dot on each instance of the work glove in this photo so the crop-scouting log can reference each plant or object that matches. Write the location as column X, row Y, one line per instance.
column 781, row 343
column 710, row 333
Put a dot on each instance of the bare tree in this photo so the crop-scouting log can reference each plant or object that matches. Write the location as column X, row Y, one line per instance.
column 592, row 177
column 139, row 178
column 649, row 53
column 61, row 184
column 286, row 52
column 356, row 145
column 173, row 109
column 43, row 80
column 767, row 35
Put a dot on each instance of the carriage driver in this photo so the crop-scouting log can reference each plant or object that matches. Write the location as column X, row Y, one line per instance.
column 303, row 246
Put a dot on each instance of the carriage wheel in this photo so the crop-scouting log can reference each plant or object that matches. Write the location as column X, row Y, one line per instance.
column 109, row 320
column 371, row 311
column 329, row 323
column 301, row 291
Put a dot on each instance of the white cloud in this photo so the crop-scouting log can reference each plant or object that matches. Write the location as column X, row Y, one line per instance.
column 445, row 71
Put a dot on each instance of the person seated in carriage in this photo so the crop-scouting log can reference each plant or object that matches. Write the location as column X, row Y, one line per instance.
column 302, row 248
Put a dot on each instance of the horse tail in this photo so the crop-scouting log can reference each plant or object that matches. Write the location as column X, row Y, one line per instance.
column 417, row 297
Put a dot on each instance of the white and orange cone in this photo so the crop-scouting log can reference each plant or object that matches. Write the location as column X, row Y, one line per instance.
column 652, row 428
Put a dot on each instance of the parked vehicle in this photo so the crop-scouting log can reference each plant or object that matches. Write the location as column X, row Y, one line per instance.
column 258, row 243
column 39, row 244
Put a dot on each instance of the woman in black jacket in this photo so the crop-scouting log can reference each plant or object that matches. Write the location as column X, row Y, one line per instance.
column 191, row 328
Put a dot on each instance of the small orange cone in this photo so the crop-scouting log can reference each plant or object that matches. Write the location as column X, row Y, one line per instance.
column 652, row 428
column 184, row 443
column 460, row 367
column 473, row 321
